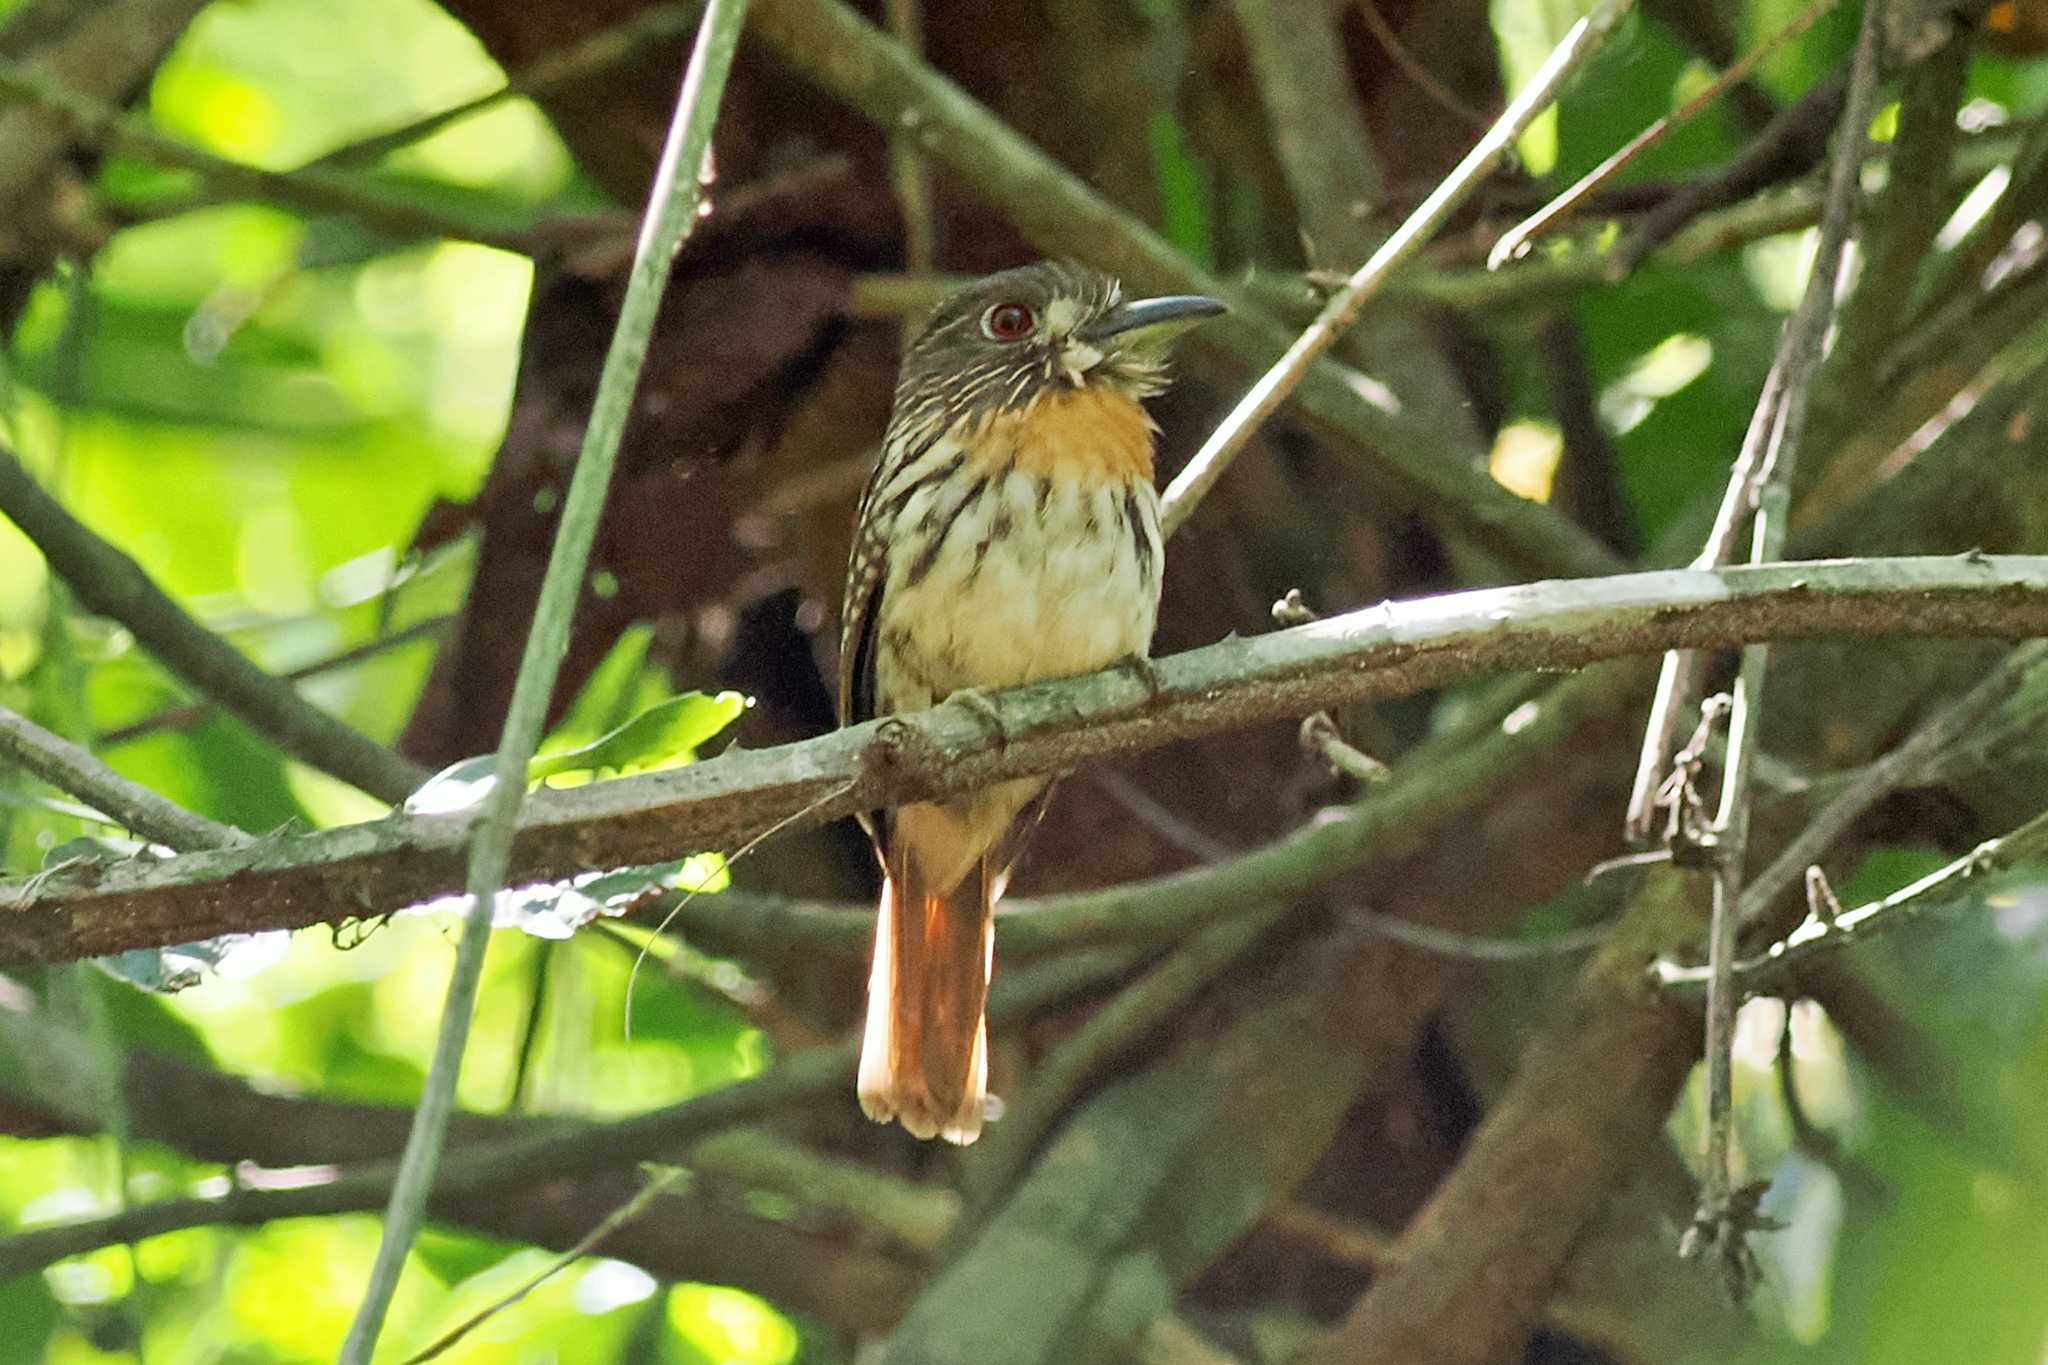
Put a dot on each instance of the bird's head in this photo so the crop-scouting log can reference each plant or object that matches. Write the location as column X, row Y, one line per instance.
column 998, row 343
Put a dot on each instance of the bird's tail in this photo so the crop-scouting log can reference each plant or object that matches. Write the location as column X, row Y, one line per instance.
column 924, row 1054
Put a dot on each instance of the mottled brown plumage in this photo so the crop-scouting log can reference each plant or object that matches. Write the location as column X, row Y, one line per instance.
column 1010, row 532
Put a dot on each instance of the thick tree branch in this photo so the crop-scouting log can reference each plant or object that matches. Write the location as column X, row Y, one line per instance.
column 109, row 582
column 1390, row 650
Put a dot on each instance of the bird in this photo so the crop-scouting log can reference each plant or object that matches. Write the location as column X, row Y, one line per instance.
column 1009, row 533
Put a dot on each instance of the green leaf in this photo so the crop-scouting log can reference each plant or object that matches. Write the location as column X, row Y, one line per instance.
column 663, row 735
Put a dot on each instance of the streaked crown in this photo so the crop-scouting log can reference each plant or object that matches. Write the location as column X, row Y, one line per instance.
column 994, row 345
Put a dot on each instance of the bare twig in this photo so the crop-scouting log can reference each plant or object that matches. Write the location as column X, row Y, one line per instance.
column 1515, row 241
column 590, row 58
column 1726, row 1215
column 1902, row 767
column 1383, row 651
column 1368, row 12
column 191, row 713
column 1320, row 733
column 672, row 211
column 1791, row 372
column 312, row 190
column 1320, row 736
column 1201, row 472
column 1819, row 934
column 1533, row 282
column 109, row 582
column 1789, row 146
column 69, row 768
column 656, row 1186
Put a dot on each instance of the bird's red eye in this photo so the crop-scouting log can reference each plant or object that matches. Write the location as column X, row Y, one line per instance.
column 1008, row 322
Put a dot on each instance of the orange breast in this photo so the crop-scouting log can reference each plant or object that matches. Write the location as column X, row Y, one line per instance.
column 1095, row 433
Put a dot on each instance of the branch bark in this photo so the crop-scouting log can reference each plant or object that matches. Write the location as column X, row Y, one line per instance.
column 72, row 769
column 1390, row 650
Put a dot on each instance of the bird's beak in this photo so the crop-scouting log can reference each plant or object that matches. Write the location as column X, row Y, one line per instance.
column 1145, row 321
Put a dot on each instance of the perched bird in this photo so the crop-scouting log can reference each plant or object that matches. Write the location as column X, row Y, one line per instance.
column 1010, row 532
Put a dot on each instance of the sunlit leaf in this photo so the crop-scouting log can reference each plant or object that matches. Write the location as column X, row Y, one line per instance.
column 665, row 734
column 658, row 737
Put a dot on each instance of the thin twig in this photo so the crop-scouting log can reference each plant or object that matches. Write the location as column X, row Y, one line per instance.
column 1534, row 282
column 110, row 583
column 656, row 1186
column 1790, row 145
column 1902, row 767
column 1817, row 935
column 1515, row 241
column 1368, row 12
column 190, row 713
column 585, row 60
column 314, row 191
column 70, row 768
column 1260, row 402
column 1678, row 685
column 1721, row 1224
column 1320, row 733
column 1046, row 925
column 672, row 211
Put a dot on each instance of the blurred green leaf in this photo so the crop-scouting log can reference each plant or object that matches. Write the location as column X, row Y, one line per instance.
column 457, row 1256
column 1183, row 184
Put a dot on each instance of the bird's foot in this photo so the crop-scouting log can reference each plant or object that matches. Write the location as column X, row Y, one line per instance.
column 983, row 705
column 1147, row 673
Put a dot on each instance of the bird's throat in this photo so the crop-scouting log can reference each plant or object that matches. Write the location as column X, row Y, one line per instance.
column 1096, row 433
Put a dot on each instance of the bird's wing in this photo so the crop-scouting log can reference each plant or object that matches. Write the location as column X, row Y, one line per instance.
column 866, row 570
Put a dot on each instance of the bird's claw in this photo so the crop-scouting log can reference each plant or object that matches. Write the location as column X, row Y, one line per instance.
column 977, row 700
column 1148, row 674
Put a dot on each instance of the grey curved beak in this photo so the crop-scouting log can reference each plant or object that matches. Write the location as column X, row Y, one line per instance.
column 1159, row 319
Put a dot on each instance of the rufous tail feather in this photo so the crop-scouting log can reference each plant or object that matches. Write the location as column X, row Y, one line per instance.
column 924, row 1052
